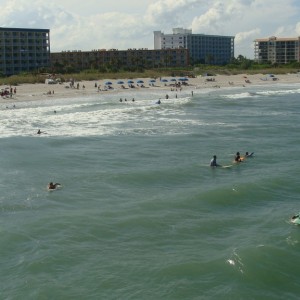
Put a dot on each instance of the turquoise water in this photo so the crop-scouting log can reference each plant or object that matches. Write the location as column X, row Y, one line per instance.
column 140, row 214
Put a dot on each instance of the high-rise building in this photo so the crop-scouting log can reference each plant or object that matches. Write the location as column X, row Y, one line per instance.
column 277, row 50
column 205, row 49
column 23, row 50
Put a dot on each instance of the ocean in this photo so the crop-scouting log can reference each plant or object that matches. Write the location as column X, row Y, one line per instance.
column 140, row 214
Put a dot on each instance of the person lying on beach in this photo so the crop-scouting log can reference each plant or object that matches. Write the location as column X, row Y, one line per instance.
column 53, row 186
column 213, row 162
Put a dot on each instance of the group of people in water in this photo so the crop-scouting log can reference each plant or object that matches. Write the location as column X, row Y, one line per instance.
column 121, row 100
column 237, row 159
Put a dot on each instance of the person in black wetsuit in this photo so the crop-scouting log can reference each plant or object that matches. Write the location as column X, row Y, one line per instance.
column 213, row 162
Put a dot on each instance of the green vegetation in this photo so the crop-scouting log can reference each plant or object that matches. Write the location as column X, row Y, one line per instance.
column 239, row 65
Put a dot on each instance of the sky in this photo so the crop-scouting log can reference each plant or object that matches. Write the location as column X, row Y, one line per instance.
column 122, row 24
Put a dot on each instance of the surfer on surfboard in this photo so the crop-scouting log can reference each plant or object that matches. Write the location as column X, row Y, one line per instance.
column 296, row 219
column 213, row 162
column 249, row 154
column 40, row 132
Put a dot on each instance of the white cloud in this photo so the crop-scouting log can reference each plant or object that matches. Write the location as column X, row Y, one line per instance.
column 168, row 11
column 217, row 18
column 240, row 37
column 244, row 42
column 124, row 24
column 248, row 20
column 297, row 29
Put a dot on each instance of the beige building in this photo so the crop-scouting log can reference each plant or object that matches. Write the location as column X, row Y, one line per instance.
column 277, row 50
column 81, row 60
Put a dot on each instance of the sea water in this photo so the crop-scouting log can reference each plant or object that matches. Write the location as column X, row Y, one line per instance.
column 140, row 214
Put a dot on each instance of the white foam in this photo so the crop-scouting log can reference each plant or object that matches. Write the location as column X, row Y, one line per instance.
column 89, row 116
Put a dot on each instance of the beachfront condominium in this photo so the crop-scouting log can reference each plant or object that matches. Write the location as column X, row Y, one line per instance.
column 277, row 50
column 23, row 50
column 204, row 49
column 77, row 60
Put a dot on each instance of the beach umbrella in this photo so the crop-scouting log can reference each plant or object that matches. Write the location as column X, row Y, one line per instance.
column 183, row 79
column 108, row 83
column 173, row 79
column 164, row 80
column 130, row 81
column 120, row 82
column 140, row 81
column 152, row 80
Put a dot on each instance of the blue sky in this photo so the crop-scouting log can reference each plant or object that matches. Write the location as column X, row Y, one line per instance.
column 123, row 24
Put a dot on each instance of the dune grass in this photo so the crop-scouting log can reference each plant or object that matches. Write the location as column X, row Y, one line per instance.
column 94, row 75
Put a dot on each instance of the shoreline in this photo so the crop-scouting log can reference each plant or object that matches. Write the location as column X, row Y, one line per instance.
column 43, row 91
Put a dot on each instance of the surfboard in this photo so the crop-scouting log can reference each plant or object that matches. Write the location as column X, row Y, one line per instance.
column 227, row 167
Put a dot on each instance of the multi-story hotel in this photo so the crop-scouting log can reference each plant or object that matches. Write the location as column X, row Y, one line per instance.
column 23, row 50
column 277, row 50
column 205, row 49
column 80, row 60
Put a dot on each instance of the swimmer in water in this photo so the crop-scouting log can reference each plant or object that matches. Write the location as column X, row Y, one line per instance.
column 237, row 157
column 53, row 186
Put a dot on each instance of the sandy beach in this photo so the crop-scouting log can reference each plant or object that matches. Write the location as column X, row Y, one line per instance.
column 31, row 92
